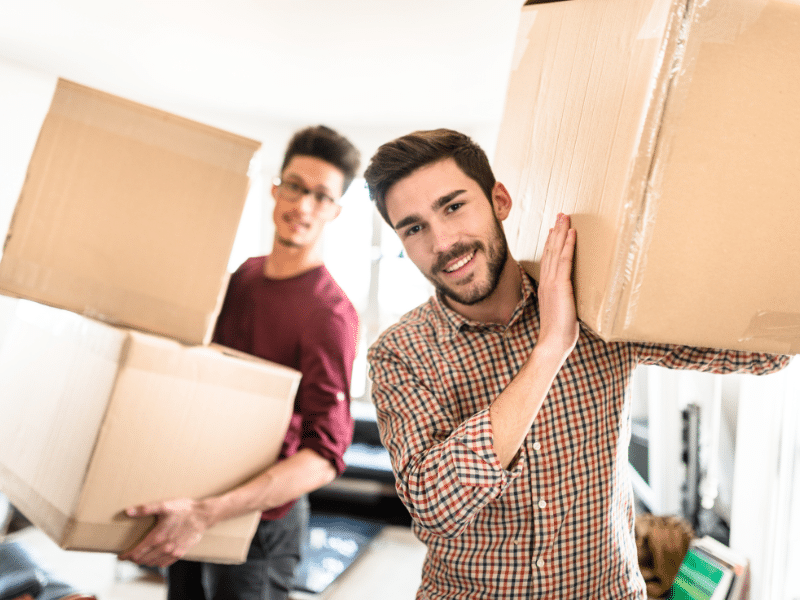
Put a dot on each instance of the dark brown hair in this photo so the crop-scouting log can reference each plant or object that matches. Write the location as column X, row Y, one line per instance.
column 324, row 143
column 399, row 158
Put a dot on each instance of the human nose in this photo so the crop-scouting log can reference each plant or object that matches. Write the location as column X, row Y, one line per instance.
column 306, row 202
column 443, row 238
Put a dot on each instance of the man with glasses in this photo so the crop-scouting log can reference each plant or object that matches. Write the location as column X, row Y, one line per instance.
column 284, row 307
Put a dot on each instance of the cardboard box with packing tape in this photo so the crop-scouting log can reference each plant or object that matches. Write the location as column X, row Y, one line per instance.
column 96, row 418
column 668, row 129
column 128, row 215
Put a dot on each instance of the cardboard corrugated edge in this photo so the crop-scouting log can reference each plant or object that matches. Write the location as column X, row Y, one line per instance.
column 30, row 503
column 641, row 204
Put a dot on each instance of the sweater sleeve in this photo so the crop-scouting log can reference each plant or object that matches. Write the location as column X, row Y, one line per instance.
column 327, row 352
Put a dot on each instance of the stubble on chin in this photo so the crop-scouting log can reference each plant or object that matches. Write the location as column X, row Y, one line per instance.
column 496, row 259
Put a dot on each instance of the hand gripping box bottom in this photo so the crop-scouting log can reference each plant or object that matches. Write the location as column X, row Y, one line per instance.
column 95, row 418
column 668, row 129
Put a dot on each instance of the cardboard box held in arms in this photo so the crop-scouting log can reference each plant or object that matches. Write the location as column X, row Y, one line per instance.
column 97, row 418
column 128, row 215
column 669, row 130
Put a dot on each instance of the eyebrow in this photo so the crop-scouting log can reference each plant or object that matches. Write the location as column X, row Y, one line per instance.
column 439, row 203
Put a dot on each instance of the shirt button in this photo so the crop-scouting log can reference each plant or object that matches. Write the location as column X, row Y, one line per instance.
column 540, row 563
column 537, row 446
column 542, row 503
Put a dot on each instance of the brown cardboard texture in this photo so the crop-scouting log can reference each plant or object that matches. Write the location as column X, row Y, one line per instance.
column 128, row 215
column 97, row 418
column 668, row 129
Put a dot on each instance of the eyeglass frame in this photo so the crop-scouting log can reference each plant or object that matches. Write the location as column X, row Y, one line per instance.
column 321, row 198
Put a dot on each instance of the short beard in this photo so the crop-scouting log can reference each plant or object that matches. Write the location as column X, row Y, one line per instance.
column 496, row 256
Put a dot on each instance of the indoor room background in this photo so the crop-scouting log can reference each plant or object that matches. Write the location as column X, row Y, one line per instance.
column 376, row 70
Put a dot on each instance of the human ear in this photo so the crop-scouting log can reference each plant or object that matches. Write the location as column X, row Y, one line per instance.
column 501, row 201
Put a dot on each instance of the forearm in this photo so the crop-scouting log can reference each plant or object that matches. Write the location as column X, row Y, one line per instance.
column 284, row 481
column 512, row 413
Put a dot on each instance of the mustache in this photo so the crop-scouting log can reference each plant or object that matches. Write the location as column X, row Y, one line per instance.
column 459, row 249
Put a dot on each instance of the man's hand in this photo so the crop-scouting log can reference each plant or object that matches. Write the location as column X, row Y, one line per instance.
column 559, row 322
column 512, row 413
column 180, row 525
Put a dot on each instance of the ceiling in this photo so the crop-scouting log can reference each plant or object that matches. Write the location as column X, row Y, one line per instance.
column 360, row 63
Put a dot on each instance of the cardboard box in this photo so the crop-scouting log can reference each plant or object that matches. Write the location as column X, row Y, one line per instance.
column 128, row 215
column 95, row 418
column 669, row 130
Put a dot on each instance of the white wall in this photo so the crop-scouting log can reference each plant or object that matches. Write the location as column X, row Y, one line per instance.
column 766, row 506
column 24, row 99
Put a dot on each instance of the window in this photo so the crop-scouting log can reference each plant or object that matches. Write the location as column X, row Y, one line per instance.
column 362, row 253
column 366, row 258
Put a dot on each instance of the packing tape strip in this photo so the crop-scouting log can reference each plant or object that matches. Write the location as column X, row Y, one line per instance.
column 699, row 23
column 722, row 21
column 775, row 326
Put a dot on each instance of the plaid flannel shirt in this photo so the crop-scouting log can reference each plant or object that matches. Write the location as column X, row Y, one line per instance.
column 559, row 523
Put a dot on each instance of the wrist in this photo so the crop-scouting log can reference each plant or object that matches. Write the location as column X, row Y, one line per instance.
column 208, row 511
column 550, row 355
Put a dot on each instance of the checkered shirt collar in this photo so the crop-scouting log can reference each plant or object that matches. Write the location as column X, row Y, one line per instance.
column 450, row 323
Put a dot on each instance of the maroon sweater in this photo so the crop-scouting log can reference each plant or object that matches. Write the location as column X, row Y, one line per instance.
column 307, row 323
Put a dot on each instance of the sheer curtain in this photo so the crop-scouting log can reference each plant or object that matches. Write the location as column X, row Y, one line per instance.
column 765, row 523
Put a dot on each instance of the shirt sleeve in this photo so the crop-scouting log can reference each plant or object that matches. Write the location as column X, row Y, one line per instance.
column 446, row 471
column 710, row 360
column 327, row 352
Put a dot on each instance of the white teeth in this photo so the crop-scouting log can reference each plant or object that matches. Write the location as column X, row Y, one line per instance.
column 460, row 263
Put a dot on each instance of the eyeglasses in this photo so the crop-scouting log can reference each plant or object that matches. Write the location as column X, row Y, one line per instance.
column 294, row 190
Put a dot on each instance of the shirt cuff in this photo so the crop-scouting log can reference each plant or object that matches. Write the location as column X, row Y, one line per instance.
column 479, row 465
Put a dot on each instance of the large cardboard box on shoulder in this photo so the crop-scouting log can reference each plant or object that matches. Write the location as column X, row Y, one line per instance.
column 669, row 130
column 128, row 215
column 95, row 418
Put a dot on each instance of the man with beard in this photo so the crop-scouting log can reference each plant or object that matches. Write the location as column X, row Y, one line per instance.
column 286, row 308
column 507, row 421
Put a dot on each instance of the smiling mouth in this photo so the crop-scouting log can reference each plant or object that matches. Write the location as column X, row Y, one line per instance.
column 460, row 263
column 294, row 224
